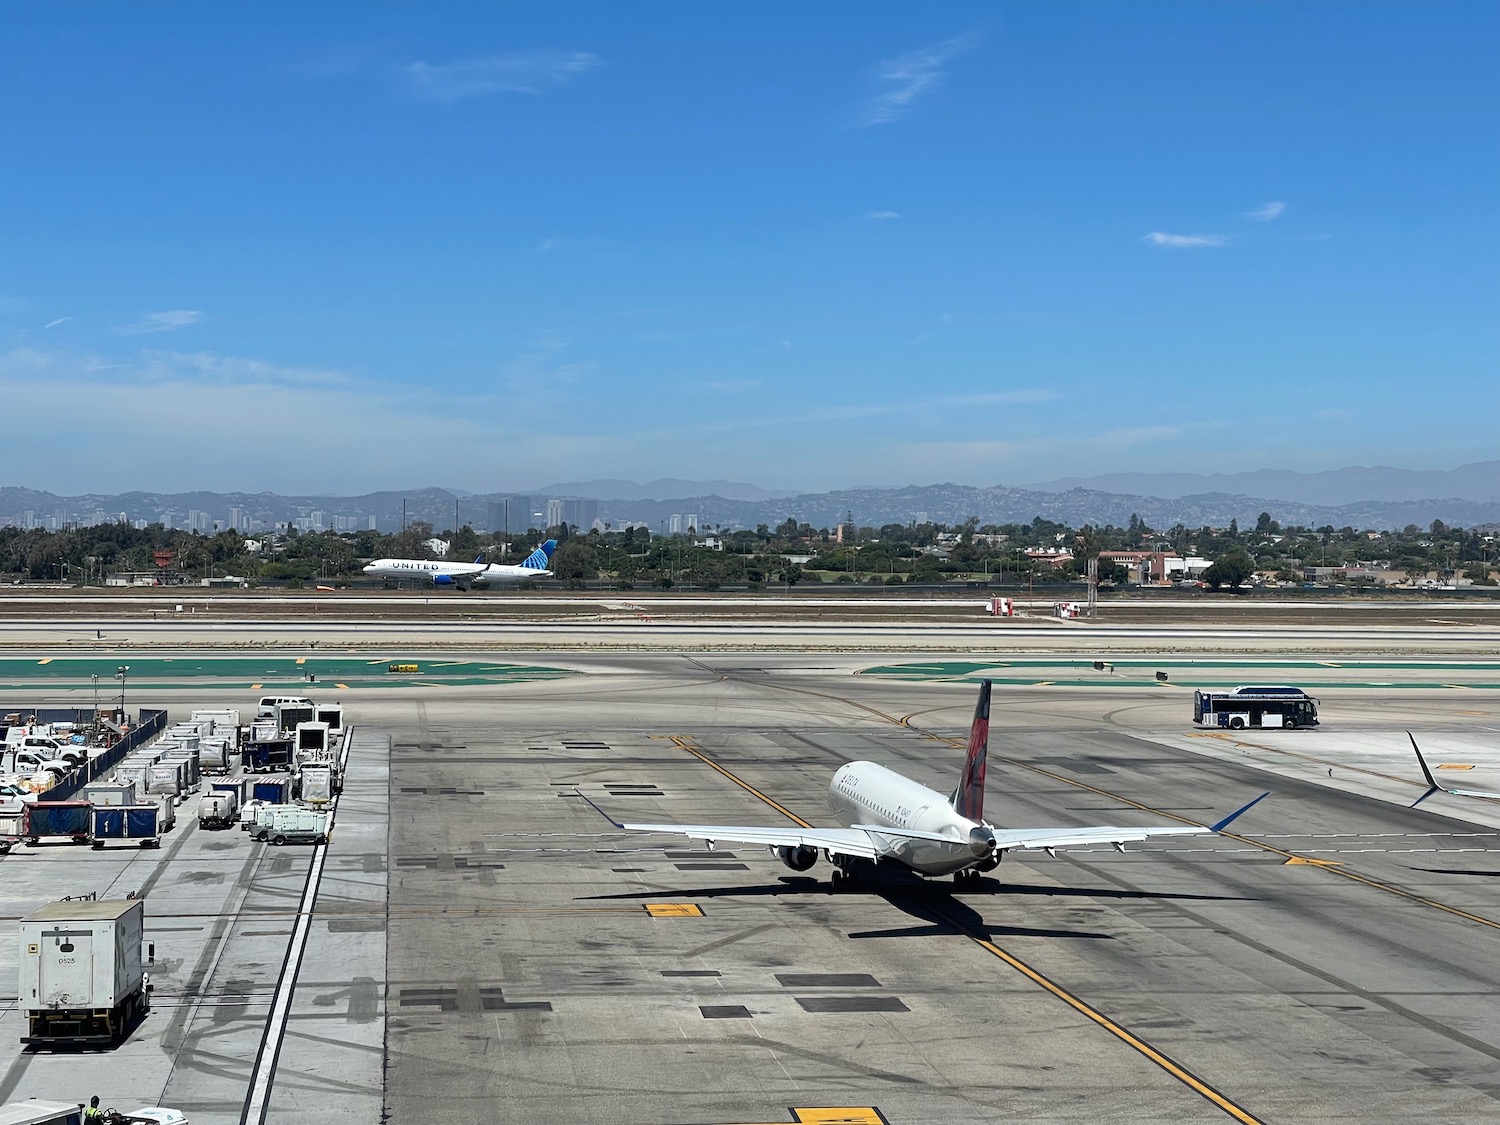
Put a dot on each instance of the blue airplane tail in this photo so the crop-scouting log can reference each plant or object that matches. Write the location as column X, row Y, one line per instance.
column 539, row 558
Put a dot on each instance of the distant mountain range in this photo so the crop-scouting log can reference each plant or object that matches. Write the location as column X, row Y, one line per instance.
column 665, row 489
column 939, row 503
column 1479, row 481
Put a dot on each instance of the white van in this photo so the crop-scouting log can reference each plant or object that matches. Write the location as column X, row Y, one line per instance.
column 266, row 708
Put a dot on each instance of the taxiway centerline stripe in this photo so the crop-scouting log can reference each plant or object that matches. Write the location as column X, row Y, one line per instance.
column 1186, row 1077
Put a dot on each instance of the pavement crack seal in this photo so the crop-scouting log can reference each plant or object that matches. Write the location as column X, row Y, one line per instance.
column 1166, row 1063
column 263, row 1073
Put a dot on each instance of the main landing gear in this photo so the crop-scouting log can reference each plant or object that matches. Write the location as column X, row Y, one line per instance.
column 842, row 878
column 967, row 879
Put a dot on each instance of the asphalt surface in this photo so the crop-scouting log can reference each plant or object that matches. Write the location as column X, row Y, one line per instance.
column 484, row 946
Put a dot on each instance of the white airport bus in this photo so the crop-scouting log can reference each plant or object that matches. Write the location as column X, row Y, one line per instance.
column 1260, row 707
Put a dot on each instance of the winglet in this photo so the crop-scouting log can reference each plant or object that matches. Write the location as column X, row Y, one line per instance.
column 598, row 810
column 1433, row 786
column 1239, row 812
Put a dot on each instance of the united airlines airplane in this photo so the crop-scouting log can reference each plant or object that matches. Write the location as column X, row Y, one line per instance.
column 459, row 574
column 890, row 817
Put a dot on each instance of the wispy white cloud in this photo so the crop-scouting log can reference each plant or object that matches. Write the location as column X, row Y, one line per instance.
column 1267, row 212
column 1002, row 398
column 519, row 72
column 168, row 321
column 731, row 386
column 880, row 216
column 907, row 77
column 1183, row 241
column 59, row 320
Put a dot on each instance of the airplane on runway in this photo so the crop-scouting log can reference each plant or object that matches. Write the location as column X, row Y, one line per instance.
column 890, row 817
column 461, row 575
column 1436, row 788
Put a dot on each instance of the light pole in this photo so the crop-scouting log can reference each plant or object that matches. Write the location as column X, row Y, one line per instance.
column 95, row 677
column 120, row 673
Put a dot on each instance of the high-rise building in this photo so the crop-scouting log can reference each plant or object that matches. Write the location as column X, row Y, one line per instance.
column 674, row 524
column 237, row 520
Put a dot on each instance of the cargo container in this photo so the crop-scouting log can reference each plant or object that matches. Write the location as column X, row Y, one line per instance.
column 218, row 810
column 317, row 783
column 109, row 793
column 167, row 810
column 138, row 823
column 165, row 779
column 332, row 714
column 313, row 740
column 292, row 824
column 272, row 790
column 259, row 757
column 288, row 715
column 57, row 819
column 11, row 830
column 235, row 785
column 81, row 979
column 248, row 812
column 226, row 721
column 34, row 1112
column 214, row 755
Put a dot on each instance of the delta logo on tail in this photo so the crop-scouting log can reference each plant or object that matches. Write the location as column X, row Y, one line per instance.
column 462, row 575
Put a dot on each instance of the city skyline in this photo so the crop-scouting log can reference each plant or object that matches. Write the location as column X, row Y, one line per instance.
column 335, row 248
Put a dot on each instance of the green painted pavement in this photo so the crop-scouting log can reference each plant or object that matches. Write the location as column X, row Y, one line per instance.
column 1045, row 672
column 269, row 671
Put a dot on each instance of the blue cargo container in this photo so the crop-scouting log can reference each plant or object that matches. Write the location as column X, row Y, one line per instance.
column 58, row 818
column 261, row 757
column 273, row 791
column 141, row 823
column 235, row 785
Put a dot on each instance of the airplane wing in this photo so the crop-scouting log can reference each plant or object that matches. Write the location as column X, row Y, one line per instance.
column 841, row 841
column 1434, row 787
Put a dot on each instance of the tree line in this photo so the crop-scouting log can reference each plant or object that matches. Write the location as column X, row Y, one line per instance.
column 790, row 552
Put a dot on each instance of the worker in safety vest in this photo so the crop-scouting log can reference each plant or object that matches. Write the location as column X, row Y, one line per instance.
column 93, row 1115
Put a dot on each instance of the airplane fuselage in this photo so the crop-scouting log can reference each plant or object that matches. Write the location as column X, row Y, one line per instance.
column 436, row 571
column 866, row 793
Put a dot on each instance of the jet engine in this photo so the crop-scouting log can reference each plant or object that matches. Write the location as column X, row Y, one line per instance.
column 442, row 580
column 982, row 841
column 798, row 859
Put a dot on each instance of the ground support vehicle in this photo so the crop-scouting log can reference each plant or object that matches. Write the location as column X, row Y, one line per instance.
column 34, row 1112
column 52, row 819
column 139, row 824
column 81, row 978
column 219, row 809
column 293, row 824
column 11, row 828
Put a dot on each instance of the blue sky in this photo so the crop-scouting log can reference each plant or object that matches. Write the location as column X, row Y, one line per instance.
column 345, row 247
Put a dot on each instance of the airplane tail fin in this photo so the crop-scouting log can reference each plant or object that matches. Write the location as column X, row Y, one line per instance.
column 1433, row 786
column 539, row 558
column 968, row 798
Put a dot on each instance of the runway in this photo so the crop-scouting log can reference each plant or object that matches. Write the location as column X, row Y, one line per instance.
column 487, row 947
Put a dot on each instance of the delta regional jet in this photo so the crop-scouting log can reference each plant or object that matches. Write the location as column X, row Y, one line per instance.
column 459, row 574
column 888, row 817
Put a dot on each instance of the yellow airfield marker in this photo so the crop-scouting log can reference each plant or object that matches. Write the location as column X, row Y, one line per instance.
column 48, row 660
column 1454, row 766
column 674, row 910
column 1312, row 862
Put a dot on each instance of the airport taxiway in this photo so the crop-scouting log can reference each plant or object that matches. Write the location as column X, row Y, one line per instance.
column 486, row 947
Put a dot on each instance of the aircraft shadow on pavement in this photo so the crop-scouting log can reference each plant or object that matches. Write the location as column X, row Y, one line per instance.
column 1455, row 871
column 938, row 905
